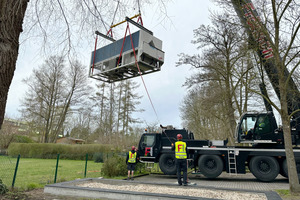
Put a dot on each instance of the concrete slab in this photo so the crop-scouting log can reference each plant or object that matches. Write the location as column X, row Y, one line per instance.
column 74, row 188
column 224, row 181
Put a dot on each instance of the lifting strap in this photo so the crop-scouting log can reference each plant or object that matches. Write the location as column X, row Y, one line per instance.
column 140, row 19
column 94, row 53
column 111, row 26
column 110, row 34
column 127, row 28
column 137, row 64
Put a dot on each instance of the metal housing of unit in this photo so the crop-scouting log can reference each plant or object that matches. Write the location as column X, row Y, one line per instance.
column 148, row 49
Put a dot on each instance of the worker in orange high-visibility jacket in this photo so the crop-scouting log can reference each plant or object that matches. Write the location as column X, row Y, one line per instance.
column 131, row 161
column 181, row 162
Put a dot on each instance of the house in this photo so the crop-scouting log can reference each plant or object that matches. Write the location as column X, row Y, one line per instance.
column 69, row 140
column 16, row 126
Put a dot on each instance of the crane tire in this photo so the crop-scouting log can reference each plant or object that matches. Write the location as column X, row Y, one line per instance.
column 167, row 164
column 264, row 168
column 284, row 168
column 211, row 166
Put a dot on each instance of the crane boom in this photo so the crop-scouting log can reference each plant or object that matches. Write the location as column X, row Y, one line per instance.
column 261, row 40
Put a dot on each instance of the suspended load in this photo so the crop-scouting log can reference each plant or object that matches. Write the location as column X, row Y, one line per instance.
column 116, row 61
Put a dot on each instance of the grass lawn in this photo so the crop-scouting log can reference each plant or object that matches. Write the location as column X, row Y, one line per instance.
column 33, row 173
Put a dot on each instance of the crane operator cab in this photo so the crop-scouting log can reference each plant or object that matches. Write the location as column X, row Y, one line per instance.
column 153, row 145
column 258, row 128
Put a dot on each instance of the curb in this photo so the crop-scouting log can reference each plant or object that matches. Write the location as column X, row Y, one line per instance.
column 70, row 188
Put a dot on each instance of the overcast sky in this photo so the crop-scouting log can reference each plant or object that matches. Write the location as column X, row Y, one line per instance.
column 165, row 87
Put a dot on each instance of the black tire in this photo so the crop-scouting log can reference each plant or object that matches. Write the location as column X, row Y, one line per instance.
column 284, row 170
column 211, row 166
column 264, row 168
column 167, row 164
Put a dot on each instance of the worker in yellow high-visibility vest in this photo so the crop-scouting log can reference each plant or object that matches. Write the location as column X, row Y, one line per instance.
column 131, row 161
column 181, row 162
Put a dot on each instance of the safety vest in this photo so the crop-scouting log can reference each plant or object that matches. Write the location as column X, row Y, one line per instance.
column 180, row 150
column 132, row 157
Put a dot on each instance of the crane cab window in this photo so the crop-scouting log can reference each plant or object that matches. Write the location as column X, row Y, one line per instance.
column 247, row 127
column 148, row 140
column 263, row 125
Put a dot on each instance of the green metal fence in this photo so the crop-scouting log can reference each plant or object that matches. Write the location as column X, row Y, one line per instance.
column 29, row 173
column 7, row 167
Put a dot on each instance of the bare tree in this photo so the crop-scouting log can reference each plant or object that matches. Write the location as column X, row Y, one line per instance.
column 114, row 107
column 76, row 90
column 130, row 102
column 7, row 133
column 222, row 47
column 102, row 110
column 53, row 89
column 80, row 123
column 201, row 112
column 60, row 25
column 275, row 37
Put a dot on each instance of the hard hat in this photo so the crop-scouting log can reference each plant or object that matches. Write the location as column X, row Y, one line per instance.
column 133, row 148
column 179, row 136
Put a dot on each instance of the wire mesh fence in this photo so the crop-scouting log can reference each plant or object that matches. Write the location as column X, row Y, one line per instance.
column 7, row 168
column 37, row 172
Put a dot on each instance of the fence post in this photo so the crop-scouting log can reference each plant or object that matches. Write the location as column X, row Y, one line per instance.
column 56, row 168
column 86, row 159
column 16, row 170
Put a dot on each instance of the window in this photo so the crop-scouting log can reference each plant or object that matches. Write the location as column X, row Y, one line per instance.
column 248, row 124
column 247, row 127
column 263, row 125
column 148, row 140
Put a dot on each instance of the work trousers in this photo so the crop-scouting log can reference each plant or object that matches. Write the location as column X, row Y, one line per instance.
column 181, row 165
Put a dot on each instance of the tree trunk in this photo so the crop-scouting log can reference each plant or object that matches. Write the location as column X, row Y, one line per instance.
column 290, row 158
column 11, row 20
column 111, row 104
column 229, row 110
column 119, row 107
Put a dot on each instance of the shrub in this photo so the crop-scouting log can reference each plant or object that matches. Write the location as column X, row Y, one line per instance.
column 32, row 186
column 3, row 188
column 140, row 168
column 114, row 166
column 22, row 139
column 98, row 157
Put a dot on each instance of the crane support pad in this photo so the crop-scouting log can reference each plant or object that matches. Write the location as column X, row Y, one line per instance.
column 109, row 67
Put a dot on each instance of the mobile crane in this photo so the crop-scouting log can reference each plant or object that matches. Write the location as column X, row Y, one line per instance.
column 266, row 156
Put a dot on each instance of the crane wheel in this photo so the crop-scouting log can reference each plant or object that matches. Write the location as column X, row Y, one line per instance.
column 211, row 166
column 284, row 170
column 167, row 164
column 264, row 168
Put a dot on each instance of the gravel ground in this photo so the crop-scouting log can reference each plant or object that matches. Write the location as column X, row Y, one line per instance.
column 184, row 191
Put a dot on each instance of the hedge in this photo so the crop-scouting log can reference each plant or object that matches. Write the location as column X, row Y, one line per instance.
column 66, row 151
